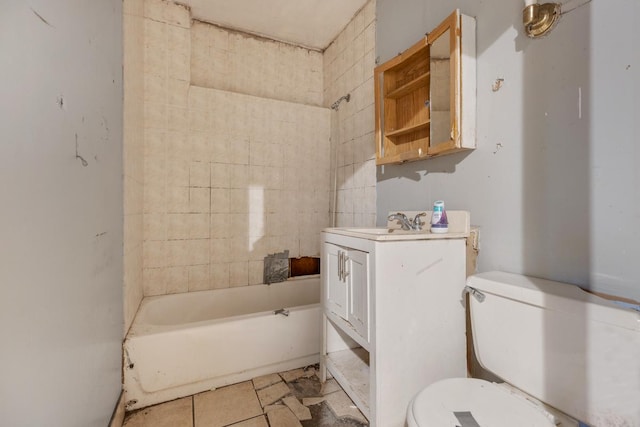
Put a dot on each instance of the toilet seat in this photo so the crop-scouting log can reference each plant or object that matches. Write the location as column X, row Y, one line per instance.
column 490, row 405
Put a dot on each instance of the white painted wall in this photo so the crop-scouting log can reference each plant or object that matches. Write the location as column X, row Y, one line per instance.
column 61, row 315
column 554, row 182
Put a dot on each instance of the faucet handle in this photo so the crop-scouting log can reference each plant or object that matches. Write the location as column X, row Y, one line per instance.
column 402, row 218
column 417, row 222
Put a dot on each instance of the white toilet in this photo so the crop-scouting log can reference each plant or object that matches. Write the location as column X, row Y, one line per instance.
column 575, row 352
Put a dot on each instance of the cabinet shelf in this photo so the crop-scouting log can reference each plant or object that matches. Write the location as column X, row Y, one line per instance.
column 407, row 129
column 351, row 369
column 409, row 87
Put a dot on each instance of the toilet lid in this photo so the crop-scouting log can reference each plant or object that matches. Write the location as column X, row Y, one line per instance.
column 489, row 404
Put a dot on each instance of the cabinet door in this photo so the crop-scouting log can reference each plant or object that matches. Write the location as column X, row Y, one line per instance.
column 357, row 277
column 336, row 294
column 444, row 47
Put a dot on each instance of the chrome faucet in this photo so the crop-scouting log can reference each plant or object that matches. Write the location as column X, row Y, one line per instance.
column 406, row 223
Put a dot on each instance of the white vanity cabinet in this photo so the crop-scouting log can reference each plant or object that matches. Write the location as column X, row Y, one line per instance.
column 393, row 316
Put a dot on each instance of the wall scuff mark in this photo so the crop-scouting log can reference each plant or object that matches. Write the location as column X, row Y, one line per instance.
column 497, row 84
column 41, row 18
column 78, row 156
column 498, row 147
column 105, row 126
column 579, row 102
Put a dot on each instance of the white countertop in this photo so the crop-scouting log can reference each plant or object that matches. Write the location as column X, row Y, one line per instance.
column 459, row 228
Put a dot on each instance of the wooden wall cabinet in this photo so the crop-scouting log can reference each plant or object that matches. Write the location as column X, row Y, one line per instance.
column 426, row 96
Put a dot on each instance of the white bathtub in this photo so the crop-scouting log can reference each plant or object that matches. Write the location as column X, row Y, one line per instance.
column 187, row 343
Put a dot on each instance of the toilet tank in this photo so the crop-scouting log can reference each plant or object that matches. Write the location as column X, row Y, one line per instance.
column 575, row 351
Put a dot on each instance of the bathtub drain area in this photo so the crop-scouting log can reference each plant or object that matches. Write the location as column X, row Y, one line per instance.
column 291, row 398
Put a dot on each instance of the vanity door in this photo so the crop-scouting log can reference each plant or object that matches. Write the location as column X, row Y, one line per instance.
column 358, row 278
column 336, row 291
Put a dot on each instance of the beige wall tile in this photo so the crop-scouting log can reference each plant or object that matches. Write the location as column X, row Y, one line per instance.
column 220, row 226
column 220, row 150
column 198, row 120
column 177, row 118
column 133, row 157
column 257, row 224
column 221, row 175
column 220, row 200
column 177, row 171
column 153, row 280
column 154, row 9
column 133, row 289
column 199, row 200
column 238, row 225
column 239, row 249
column 256, row 272
column 199, row 174
column 177, row 14
column 154, row 254
column 239, row 273
column 176, row 279
column 155, row 60
column 178, row 199
column 155, row 226
column 348, row 68
column 239, row 201
column 133, row 7
column 155, row 116
column 199, row 279
column 245, row 64
column 199, row 226
column 155, row 144
column 198, row 98
column 187, row 252
column 214, row 198
column 177, row 90
column 155, row 32
column 155, row 88
column 178, row 39
column 177, row 226
column 132, row 233
column 220, row 250
column 219, row 274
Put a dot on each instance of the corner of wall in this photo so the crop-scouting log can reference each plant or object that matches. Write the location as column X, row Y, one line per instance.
column 348, row 64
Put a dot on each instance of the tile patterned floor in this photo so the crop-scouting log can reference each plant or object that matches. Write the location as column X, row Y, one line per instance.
column 289, row 399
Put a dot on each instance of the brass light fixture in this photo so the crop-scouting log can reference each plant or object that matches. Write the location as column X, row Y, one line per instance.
column 539, row 19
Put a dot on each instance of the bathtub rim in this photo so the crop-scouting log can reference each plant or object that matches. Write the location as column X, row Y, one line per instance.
column 139, row 329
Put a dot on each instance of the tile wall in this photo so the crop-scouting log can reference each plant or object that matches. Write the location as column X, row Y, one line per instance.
column 228, row 177
column 348, row 68
column 133, row 27
column 237, row 62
